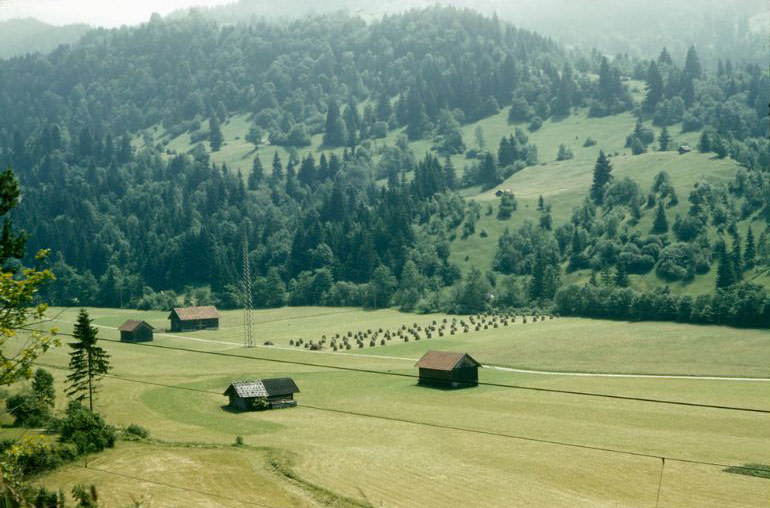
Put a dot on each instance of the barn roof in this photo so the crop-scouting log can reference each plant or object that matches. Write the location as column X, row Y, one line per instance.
column 443, row 360
column 202, row 312
column 133, row 324
column 263, row 387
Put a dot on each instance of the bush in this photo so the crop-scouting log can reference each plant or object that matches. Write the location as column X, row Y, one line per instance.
column 135, row 431
column 564, row 153
column 535, row 124
column 589, row 142
column 85, row 429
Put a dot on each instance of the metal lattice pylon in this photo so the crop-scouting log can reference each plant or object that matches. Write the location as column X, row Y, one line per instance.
column 248, row 305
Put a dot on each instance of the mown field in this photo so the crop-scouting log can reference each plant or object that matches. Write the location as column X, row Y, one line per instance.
column 362, row 435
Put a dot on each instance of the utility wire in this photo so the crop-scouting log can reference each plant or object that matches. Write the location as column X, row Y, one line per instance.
column 412, row 376
column 451, row 427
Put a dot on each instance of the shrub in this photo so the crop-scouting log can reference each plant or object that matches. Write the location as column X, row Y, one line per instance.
column 238, row 441
column 135, row 431
column 85, row 429
column 589, row 142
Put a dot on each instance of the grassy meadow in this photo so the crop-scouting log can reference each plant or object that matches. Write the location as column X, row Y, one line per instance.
column 367, row 438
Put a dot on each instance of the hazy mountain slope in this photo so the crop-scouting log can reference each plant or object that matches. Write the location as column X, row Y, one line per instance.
column 20, row 36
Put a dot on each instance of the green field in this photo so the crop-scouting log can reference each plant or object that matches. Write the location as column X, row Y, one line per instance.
column 379, row 439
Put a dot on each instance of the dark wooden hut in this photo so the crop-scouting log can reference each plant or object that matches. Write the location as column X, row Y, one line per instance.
column 448, row 369
column 262, row 394
column 194, row 318
column 136, row 331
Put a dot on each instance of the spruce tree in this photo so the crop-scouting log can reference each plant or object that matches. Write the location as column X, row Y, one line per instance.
column 660, row 224
column 277, row 167
column 726, row 269
column 692, row 66
column 88, row 361
column 737, row 258
column 336, row 132
column 664, row 139
column 654, row 89
column 256, row 175
column 621, row 276
column 488, row 172
column 215, row 134
column 751, row 250
column 602, row 176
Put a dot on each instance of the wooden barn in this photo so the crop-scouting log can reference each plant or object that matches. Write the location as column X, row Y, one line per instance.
column 194, row 318
column 448, row 369
column 136, row 331
column 262, row 394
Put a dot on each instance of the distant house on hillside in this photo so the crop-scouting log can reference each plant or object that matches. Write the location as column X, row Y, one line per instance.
column 684, row 149
column 194, row 318
column 136, row 331
column 262, row 394
column 448, row 369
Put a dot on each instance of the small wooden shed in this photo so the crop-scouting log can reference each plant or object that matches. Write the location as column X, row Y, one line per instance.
column 194, row 318
column 272, row 393
column 136, row 331
column 448, row 369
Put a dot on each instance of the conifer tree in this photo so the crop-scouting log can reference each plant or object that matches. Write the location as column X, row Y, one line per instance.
column 664, row 140
column 88, row 361
column 602, row 176
column 660, row 224
column 256, row 175
column 621, row 276
column 277, row 167
column 726, row 269
column 692, row 65
column 488, row 171
column 737, row 258
column 215, row 134
column 751, row 250
column 654, row 88
column 336, row 132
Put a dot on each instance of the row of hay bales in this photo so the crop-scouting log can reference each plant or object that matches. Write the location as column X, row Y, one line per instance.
column 432, row 330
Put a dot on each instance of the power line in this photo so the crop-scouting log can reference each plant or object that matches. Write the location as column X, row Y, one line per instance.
column 450, row 427
column 481, row 383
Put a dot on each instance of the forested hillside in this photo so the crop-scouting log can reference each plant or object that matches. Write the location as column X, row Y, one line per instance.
column 362, row 179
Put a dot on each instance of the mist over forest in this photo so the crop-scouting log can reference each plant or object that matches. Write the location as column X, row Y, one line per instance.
column 718, row 28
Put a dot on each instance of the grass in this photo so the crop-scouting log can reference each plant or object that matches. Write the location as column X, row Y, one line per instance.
column 329, row 453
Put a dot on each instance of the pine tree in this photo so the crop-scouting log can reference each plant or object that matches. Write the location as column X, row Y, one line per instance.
column 450, row 175
column 88, row 361
column 621, row 276
column 660, row 224
column 277, row 167
column 751, row 250
column 665, row 58
column 256, row 175
column 336, row 132
column 692, row 65
column 488, row 172
column 737, row 258
column 563, row 102
column 664, row 139
column 726, row 269
column 602, row 176
column 654, row 89
column 215, row 134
